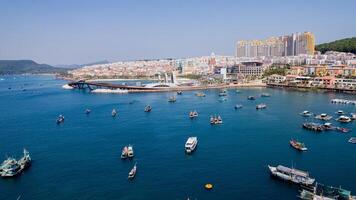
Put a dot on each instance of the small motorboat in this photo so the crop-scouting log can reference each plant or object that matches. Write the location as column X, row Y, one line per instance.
column 191, row 144
column 200, row 94
column 193, row 114
column 238, row 106
column 60, row 119
column 298, row 145
column 124, row 152
column 113, row 113
column 130, row 151
column 222, row 99
column 148, row 108
column 342, row 130
column 215, row 120
column 261, row 106
column 251, row 98
column 328, row 126
column 352, row 140
column 353, row 116
column 237, row 91
column 265, row 95
column 223, row 93
column 132, row 173
column 324, row 117
column 172, row 99
column 339, row 112
column 344, row 119
column 179, row 92
column 306, row 113
column 87, row 111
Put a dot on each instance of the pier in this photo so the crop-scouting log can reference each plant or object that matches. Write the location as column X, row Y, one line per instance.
column 95, row 85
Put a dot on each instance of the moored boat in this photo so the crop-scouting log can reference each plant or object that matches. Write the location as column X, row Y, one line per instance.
column 342, row 130
column 179, row 92
column 124, row 152
column 12, row 167
column 339, row 112
column 352, row 140
column 223, row 93
column 261, row 106
column 306, row 113
column 265, row 95
column 60, row 119
column 353, row 116
column 193, row 114
column 132, row 172
column 191, row 144
column 200, row 94
column 130, row 151
column 344, row 119
column 323, row 192
column 251, row 98
column 113, row 112
column 324, row 117
column 238, row 106
column 172, row 99
column 313, row 126
column 215, row 120
column 87, row 111
column 292, row 175
column 148, row 108
column 298, row 145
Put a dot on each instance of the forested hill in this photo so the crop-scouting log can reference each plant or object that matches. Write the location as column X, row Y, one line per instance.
column 26, row 66
column 344, row 45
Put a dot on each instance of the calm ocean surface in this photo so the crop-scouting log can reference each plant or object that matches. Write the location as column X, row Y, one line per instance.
column 80, row 159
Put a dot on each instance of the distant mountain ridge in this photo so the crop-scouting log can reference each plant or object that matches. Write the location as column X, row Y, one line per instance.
column 73, row 66
column 27, row 66
column 343, row 45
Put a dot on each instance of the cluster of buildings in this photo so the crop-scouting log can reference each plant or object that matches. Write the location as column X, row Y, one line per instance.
column 294, row 53
column 288, row 45
column 321, row 76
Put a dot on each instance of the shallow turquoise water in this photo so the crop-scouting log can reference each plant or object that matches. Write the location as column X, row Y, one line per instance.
column 80, row 159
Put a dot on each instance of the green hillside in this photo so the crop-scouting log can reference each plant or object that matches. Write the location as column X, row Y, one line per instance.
column 26, row 66
column 344, row 45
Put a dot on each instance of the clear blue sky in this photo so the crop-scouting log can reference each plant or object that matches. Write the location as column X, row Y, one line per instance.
column 78, row 31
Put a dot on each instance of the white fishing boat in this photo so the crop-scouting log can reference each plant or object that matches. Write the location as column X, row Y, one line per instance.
column 261, row 106
column 352, row 140
column 340, row 112
column 148, row 108
column 60, row 119
column 324, row 117
column 124, row 152
column 132, row 172
column 306, row 113
column 238, row 106
column 193, row 114
column 292, row 175
column 191, row 144
column 113, row 112
column 130, row 151
column 344, row 119
column 353, row 116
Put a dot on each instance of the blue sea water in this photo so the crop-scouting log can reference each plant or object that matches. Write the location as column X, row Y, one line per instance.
column 80, row 159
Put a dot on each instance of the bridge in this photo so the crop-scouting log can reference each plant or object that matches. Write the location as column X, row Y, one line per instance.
column 94, row 85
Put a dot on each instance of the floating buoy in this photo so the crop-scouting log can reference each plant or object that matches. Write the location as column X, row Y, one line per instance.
column 208, row 186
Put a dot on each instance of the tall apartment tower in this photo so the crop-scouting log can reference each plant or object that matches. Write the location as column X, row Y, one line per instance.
column 289, row 45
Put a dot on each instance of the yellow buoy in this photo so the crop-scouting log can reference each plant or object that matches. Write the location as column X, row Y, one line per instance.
column 208, row 186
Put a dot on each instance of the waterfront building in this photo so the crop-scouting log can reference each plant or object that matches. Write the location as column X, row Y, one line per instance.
column 275, row 78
